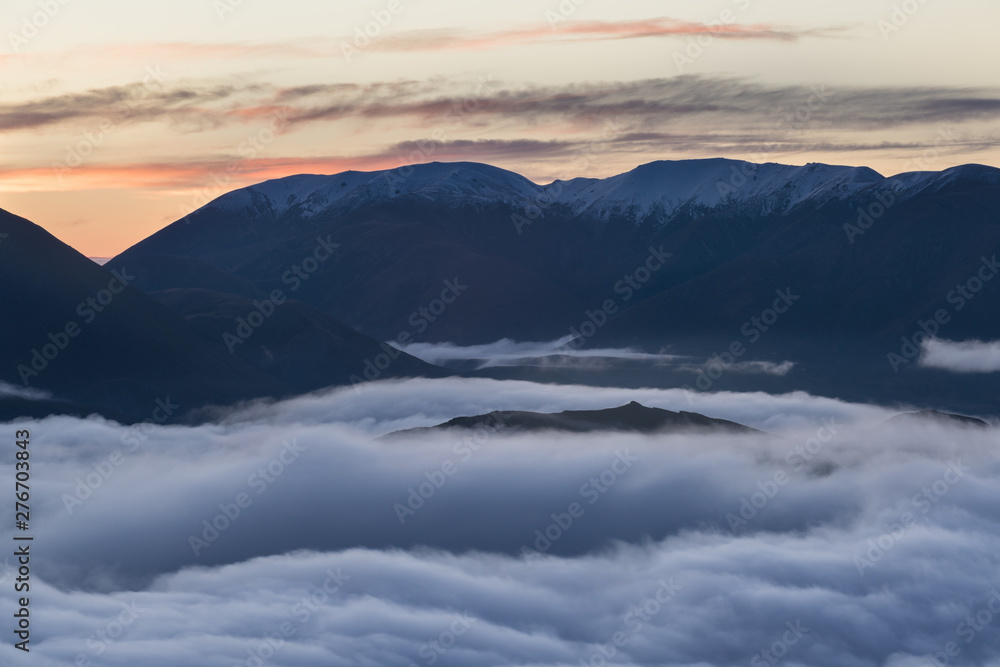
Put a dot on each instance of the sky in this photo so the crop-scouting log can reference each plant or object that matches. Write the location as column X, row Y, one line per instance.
column 117, row 118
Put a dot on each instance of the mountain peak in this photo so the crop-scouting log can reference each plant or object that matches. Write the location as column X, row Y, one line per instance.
column 664, row 187
column 309, row 194
column 928, row 182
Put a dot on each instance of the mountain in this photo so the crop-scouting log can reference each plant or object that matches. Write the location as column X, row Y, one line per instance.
column 633, row 417
column 687, row 257
column 402, row 233
column 463, row 183
column 394, row 255
column 84, row 334
column 85, row 340
column 661, row 189
column 296, row 344
column 658, row 188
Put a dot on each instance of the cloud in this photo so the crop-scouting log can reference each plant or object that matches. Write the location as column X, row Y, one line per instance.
column 874, row 542
column 439, row 39
column 559, row 353
column 507, row 352
column 622, row 122
column 586, row 31
column 764, row 367
column 13, row 391
column 751, row 367
column 961, row 356
column 730, row 103
column 128, row 104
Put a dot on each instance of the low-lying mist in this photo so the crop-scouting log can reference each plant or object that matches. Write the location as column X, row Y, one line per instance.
column 833, row 538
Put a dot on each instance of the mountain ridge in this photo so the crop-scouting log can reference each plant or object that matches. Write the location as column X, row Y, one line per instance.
column 716, row 179
column 680, row 269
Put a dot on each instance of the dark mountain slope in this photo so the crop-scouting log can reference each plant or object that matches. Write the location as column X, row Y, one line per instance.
column 96, row 343
column 297, row 344
column 66, row 330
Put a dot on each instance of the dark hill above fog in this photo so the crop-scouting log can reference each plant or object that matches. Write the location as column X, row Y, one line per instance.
column 633, row 417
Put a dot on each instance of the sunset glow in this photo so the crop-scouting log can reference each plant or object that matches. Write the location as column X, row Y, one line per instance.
column 116, row 120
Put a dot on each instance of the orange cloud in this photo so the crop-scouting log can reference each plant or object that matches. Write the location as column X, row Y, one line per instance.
column 443, row 39
column 419, row 40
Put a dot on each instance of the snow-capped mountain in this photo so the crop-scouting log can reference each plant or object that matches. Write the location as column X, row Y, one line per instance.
column 467, row 183
column 655, row 189
column 911, row 184
column 665, row 187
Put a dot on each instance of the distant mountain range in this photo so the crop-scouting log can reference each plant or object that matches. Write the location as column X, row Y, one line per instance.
column 826, row 268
